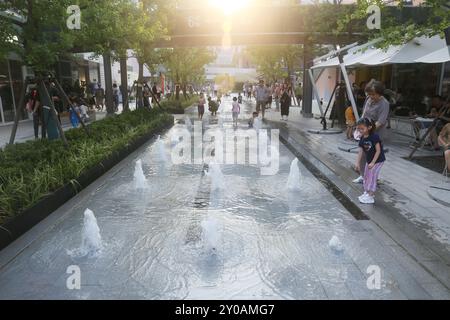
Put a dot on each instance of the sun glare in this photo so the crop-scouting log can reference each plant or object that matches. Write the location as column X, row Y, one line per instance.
column 229, row 6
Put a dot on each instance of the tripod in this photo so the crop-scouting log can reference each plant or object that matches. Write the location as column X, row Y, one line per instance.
column 331, row 104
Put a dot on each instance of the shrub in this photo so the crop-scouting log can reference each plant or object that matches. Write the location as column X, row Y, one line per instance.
column 31, row 170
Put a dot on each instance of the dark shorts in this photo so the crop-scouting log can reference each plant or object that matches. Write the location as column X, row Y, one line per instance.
column 201, row 109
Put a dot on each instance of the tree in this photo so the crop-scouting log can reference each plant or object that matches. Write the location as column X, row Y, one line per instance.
column 399, row 23
column 276, row 62
column 186, row 66
column 105, row 30
column 36, row 31
column 151, row 21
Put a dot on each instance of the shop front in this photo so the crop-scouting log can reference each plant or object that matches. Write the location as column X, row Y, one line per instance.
column 11, row 82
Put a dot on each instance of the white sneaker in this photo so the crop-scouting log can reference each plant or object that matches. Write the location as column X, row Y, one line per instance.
column 367, row 199
column 358, row 180
column 365, row 194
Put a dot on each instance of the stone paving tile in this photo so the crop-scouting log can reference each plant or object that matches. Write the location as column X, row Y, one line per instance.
column 437, row 291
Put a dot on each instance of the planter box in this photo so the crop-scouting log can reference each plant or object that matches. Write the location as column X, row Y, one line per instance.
column 20, row 224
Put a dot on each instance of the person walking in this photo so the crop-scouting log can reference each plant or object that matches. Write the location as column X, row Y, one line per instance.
column 261, row 94
column 99, row 98
column 116, row 97
column 34, row 107
column 277, row 94
column 285, row 101
column 371, row 147
column 56, row 98
column 376, row 109
column 201, row 106
column 236, row 110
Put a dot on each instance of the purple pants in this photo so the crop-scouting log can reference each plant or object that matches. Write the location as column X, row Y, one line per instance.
column 371, row 177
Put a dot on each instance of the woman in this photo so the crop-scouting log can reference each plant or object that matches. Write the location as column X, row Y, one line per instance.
column 34, row 106
column 285, row 101
column 444, row 142
column 201, row 106
column 377, row 109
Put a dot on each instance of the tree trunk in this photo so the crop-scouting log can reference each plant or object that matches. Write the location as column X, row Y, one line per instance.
column 139, row 90
column 124, row 81
column 109, row 101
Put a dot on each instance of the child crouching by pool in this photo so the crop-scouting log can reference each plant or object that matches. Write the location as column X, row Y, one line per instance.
column 370, row 145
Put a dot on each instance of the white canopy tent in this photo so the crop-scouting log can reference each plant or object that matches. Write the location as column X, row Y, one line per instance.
column 367, row 55
column 439, row 56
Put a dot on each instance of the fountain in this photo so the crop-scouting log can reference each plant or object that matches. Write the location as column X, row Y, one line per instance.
column 188, row 123
column 161, row 150
column 217, row 179
column 140, row 182
column 257, row 124
column 211, row 234
column 293, row 182
column 91, row 240
column 335, row 244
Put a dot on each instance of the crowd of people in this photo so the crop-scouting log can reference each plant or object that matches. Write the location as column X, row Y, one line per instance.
column 265, row 94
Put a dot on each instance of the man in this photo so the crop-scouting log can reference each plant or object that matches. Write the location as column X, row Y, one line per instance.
column 99, row 97
column 155, row 93
column 56, row 98
column 261, row 95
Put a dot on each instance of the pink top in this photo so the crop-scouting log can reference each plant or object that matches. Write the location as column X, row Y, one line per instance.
column 236, row 107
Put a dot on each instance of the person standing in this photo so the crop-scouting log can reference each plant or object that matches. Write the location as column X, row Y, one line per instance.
column 115, row 91
column 201, row 106
column 34, row 106
column 371, row 147
column 236, row 110
column 376, row 109
column 444, row 142
column 155, row 93
column 56, row 98
column 285, row 101
column 261, row 94
column 277, row 94
column 99, row 98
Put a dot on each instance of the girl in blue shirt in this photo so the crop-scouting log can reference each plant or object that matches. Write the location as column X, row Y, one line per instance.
column 370, row 145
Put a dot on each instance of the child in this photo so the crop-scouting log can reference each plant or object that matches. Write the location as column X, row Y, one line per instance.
column 371, row 145
column 350, row 121
column 236, row 110
column 252, row 119
column 240, row 98
column 213, row 106
column 83, row 112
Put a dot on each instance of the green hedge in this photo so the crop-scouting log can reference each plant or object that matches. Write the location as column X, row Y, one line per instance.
column 31, row 170
column 178, row 106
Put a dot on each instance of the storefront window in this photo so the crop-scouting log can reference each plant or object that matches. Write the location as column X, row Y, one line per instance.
column 17, row 84
column 417, row 83
column 446, row 81
column 6, row 97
